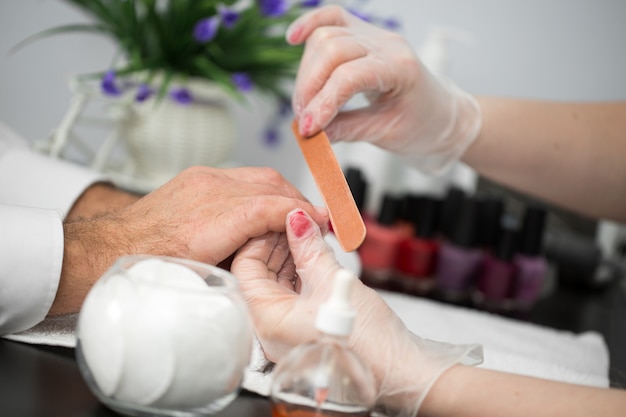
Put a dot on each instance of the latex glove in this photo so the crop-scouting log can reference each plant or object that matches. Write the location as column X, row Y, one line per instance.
column 427, row 120
column 404, row 365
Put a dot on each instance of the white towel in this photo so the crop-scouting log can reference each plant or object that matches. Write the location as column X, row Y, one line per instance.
column 509, row 345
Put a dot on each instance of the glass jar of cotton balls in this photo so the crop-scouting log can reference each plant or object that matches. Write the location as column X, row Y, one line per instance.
column 161, row 336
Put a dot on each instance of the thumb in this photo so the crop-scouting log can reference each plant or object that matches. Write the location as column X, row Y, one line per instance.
column 314, row 259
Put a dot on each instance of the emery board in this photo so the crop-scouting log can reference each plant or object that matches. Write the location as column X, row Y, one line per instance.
column 344, row 215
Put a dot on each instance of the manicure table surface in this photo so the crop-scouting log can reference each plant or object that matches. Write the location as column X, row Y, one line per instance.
column 44, row 381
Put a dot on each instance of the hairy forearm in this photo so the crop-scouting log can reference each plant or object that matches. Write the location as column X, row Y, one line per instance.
column 100, row 198
column 570, row 154
column 466, row 391
column 92, row 241
column 90, row 247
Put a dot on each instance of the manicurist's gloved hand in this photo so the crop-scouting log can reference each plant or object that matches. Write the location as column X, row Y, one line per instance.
column 426, row 119
column 283, row 310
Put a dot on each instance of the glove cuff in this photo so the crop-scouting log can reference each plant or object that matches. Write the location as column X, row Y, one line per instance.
column 425, row 361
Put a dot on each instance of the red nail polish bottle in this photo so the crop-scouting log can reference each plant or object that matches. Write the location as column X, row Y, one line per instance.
column 380, row 248
column 417, row 255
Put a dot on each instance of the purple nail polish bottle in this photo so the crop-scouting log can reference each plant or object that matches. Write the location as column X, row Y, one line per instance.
column 529, row 261
column 496, row 279
column 459, row 254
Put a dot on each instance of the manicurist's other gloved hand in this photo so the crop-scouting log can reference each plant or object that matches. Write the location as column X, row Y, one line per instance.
column 411, row 112
column 405, row 366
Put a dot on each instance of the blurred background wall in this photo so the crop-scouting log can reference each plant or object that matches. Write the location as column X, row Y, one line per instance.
column 546, row 49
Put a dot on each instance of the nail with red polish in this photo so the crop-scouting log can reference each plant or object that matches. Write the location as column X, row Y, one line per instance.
column 293, row 34
column 300, row 223
column 305, row 125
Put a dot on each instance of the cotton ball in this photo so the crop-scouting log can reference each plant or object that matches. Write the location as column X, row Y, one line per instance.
column 149, row 361
column 212, row 350
column 158, row 335
column 167, row 273
column 101, row 333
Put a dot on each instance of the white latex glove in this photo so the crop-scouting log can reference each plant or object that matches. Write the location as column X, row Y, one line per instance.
column 404, row 365
column 411, row 112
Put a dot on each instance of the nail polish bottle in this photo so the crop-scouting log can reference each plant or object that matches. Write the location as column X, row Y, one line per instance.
column 459, row 255
column 490, row 217
column 417, row 255
column 409, row 206
column 497, row 273
column 358, row 187
column 530, row 263
column 380, row 248
column 449, row 210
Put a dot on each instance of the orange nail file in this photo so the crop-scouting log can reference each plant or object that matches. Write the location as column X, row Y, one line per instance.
column 345, row 218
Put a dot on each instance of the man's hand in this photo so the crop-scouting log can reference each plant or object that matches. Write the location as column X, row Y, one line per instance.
column 204, row 214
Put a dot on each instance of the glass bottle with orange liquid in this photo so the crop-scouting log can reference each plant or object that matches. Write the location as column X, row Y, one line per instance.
column 325, row 377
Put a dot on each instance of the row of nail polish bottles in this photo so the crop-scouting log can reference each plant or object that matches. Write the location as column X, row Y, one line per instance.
column 457, row 249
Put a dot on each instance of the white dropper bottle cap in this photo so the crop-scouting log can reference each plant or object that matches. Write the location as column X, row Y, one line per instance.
column 336, row 316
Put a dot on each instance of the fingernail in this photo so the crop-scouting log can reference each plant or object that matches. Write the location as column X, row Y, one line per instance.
column 293, row 33
column 305, row 125
column 299, row 223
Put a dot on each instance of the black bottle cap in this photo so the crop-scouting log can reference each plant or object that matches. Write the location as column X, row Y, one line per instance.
column 506, row 244
column 465, row 224
column 409, row 207
column 388, row 214
column 490, row 222
column 449, row 210
column 358, row 186
column 427, row 217
column 531, row 234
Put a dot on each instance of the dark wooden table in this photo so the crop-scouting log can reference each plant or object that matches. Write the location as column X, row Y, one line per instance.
column 37, row 381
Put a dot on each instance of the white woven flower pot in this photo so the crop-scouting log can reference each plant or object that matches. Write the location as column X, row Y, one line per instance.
column 164, row 138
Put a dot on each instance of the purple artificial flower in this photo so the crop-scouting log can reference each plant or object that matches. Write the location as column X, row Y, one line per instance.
column 229, row 16
column 108, row 85
column 181, row 96
column 273, row 8
column 271, row 137
column 361, row 15
column 391, row 24
column 143, row 92
column 242, row 81
column 206, row 29
column 310, row 3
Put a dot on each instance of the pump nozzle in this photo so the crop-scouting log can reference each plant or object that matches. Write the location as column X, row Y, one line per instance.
column 336, row 316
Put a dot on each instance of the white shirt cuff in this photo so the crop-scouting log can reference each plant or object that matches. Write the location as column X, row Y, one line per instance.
column 31, row 257
column 34, row 180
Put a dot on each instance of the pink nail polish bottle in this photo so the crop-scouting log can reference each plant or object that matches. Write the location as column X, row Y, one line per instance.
column 531, row 265
column 496, row 277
